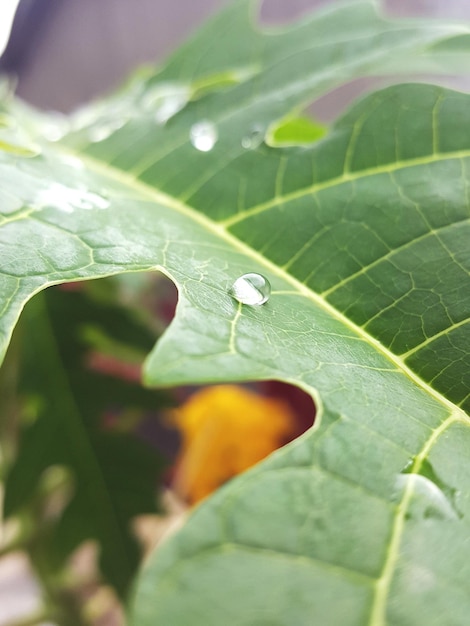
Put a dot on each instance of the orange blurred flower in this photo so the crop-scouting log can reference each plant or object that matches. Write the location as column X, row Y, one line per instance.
column 225, row 430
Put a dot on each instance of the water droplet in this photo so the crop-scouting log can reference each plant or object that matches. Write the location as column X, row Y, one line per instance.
column 102, row 131
column 165, row 100
column 427, row 501
column 68, row 199
column 203, row 135
column 254, row 138
column 427, row 470
column 252, row 289
column 168, row 108
column 55, row 127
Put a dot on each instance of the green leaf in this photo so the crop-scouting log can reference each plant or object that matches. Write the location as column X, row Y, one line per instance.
column 363, row 236
column 281, row 69
column 369, row 313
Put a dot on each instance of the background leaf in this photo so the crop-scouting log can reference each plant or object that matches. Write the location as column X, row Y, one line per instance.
column 113, row 475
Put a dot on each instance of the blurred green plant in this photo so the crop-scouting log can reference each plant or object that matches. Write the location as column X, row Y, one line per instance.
column 77, row 475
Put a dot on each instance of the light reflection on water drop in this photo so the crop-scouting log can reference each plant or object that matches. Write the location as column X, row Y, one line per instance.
column 252, row 289
column 73, row 161
column 67, row 199
column 203, row 135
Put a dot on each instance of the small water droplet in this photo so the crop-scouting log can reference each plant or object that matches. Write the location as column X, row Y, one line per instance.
column 428, row 501
column 165, row 100
column 203, row 135
column 55, row 127
column 102, row 131
column 252, row 289
column 427, row 470
column 168, row 108
column 254, row 138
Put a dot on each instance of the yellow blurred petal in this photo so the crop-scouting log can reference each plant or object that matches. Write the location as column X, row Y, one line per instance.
column 225, row 430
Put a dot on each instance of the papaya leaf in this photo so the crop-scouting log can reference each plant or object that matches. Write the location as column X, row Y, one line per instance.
column 369, row 312
column 363, row 237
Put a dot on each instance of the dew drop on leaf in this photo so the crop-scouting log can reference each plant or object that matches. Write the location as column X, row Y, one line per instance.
column 169, row 107
column 252, row 289
column 203, row 135
column 102, row 131
column 165, row 100
column 428, row 501
column 254, row 138
column 55, row 128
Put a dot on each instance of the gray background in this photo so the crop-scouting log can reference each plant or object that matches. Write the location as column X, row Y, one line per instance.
column 66, row 52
